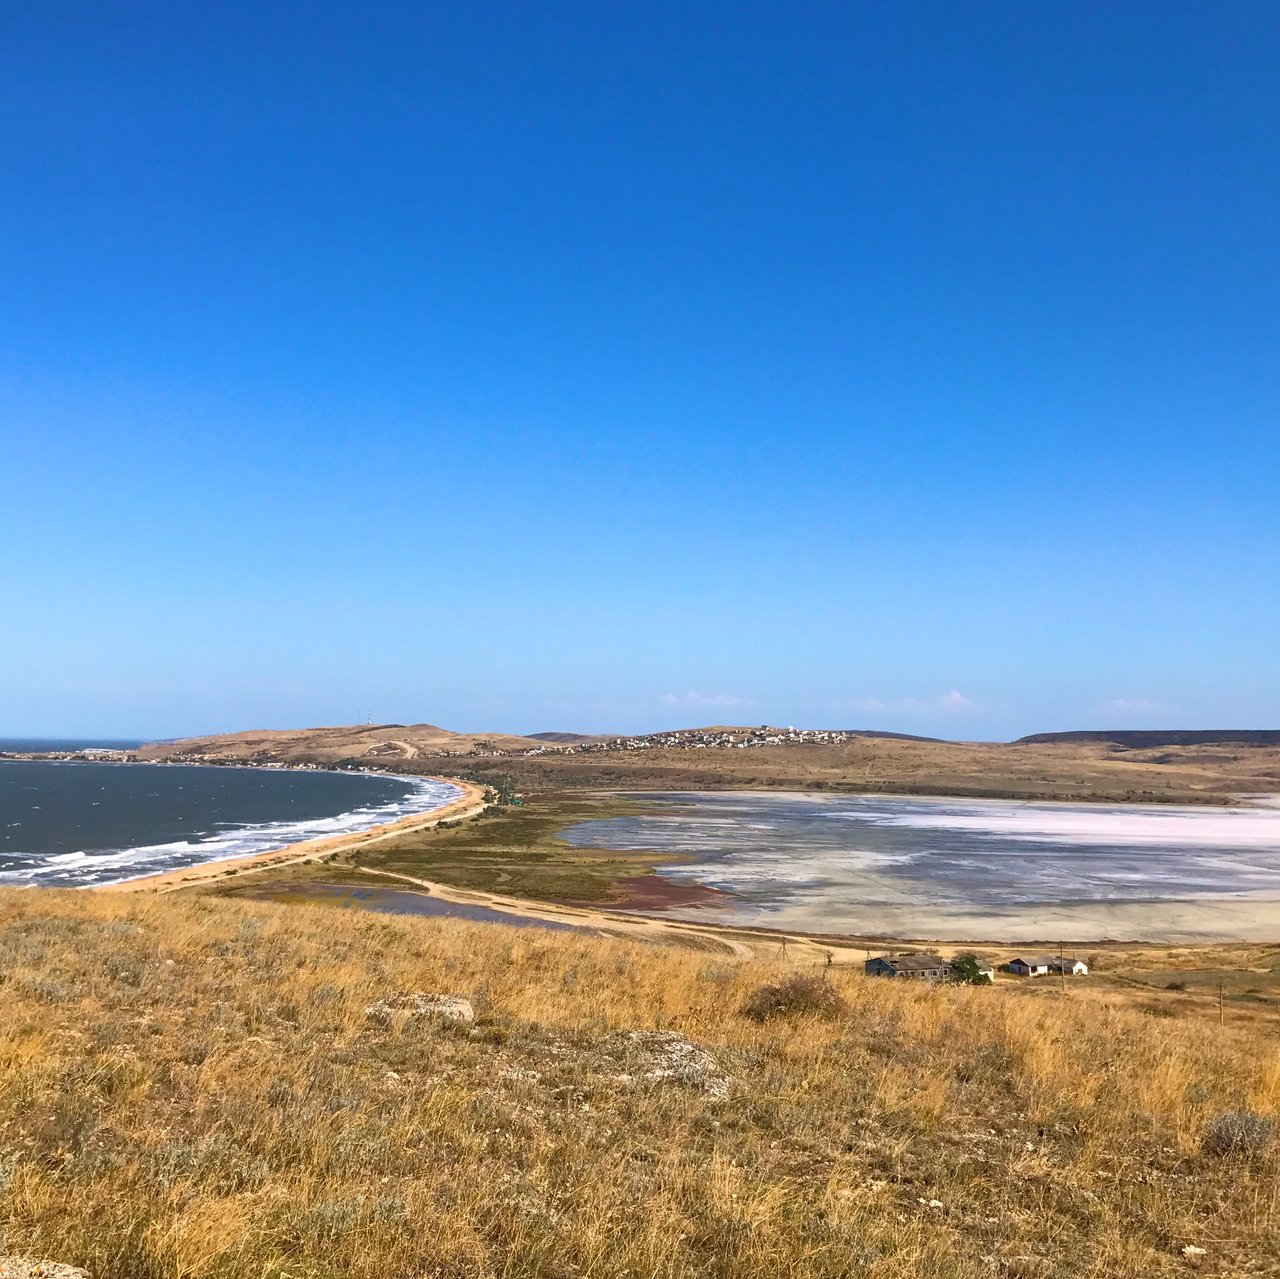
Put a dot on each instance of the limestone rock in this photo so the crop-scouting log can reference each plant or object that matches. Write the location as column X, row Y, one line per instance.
column 452, row 1009
column 25, row 1268
column 665, row 1057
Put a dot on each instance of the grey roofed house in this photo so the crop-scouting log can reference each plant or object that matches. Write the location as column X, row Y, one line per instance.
column 1033, row 967
column 919, row 967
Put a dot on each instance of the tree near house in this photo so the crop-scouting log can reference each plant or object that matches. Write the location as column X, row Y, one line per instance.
column 966, row 969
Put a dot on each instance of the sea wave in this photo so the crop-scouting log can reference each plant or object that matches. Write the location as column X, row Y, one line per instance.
column 92, row 868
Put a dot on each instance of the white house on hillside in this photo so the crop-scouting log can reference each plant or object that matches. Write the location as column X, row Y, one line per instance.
column 1071, row 967
column 1035, row 967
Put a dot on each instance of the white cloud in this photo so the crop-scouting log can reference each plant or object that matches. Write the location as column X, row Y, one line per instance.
column 953, row 702
column 1136, row 706
column 873, row 705
column 692, row 698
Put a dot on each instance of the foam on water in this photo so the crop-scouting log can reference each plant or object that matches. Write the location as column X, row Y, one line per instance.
column 86, row 868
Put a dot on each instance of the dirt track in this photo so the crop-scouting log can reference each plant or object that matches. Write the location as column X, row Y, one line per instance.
column 741, row 943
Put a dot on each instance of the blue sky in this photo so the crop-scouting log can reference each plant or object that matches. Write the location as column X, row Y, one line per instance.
column 616, row 367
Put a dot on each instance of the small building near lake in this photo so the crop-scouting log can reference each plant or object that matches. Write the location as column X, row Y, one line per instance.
column 1035, row 966
column 911, row 967
column 1069, row 967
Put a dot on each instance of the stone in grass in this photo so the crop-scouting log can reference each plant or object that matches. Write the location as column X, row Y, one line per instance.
column 664, row 1057
column 1238, row 1132
column 451, row 1009
column 25, row 1268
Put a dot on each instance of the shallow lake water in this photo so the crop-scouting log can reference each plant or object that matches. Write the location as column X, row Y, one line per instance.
column 946, row 867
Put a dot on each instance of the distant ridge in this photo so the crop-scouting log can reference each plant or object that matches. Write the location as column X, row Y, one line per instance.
column 571, row 739
column 1144, row 738
column 897, row 737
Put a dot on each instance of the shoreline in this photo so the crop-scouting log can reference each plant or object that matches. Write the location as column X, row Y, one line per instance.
column 1228, row 919
column 807, row 939
column 746, row 941
column 1240, row 918
column 468, row 804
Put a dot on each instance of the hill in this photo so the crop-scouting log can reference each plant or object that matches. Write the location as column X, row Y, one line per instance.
column 195, row 1087
column 719, row 758
column 570, row 739
column 1146, row 739
column 727, row 756
column 370, row 742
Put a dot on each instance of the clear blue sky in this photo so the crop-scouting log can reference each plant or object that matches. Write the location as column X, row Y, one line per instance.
column 619, row 366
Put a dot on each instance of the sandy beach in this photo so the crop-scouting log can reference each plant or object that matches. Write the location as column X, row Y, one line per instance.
column 468, row 804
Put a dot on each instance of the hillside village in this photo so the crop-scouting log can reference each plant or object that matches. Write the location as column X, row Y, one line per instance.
column 692, row 739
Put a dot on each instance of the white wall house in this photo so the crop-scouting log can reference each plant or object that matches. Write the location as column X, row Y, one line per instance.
column 1035, row 967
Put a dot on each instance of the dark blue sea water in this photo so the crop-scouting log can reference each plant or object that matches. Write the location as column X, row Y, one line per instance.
column 71, row 825
column 53, row 744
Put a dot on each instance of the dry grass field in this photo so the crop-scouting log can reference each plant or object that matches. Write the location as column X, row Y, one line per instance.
column 1087, row 771
column 193, row 1087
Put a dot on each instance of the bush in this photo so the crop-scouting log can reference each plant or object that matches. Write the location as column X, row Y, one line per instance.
column 966, row 968
column 797, row 996
column 1238, row 1132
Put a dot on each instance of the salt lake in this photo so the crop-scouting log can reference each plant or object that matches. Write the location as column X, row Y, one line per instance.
column 961, row 869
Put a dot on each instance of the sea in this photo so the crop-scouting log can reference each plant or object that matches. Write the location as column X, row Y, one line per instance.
column 80, row 824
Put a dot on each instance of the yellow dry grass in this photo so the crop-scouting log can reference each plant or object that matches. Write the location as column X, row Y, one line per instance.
column 190, row 1087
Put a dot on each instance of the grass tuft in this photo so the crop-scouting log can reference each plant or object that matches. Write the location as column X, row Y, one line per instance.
column 1239, row 1132
column 800, row 995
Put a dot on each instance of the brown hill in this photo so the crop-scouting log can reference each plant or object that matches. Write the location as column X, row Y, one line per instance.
column 390, row 742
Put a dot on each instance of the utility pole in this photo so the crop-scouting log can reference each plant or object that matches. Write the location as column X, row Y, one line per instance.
column 1220, row 1012
column 1062, row 968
